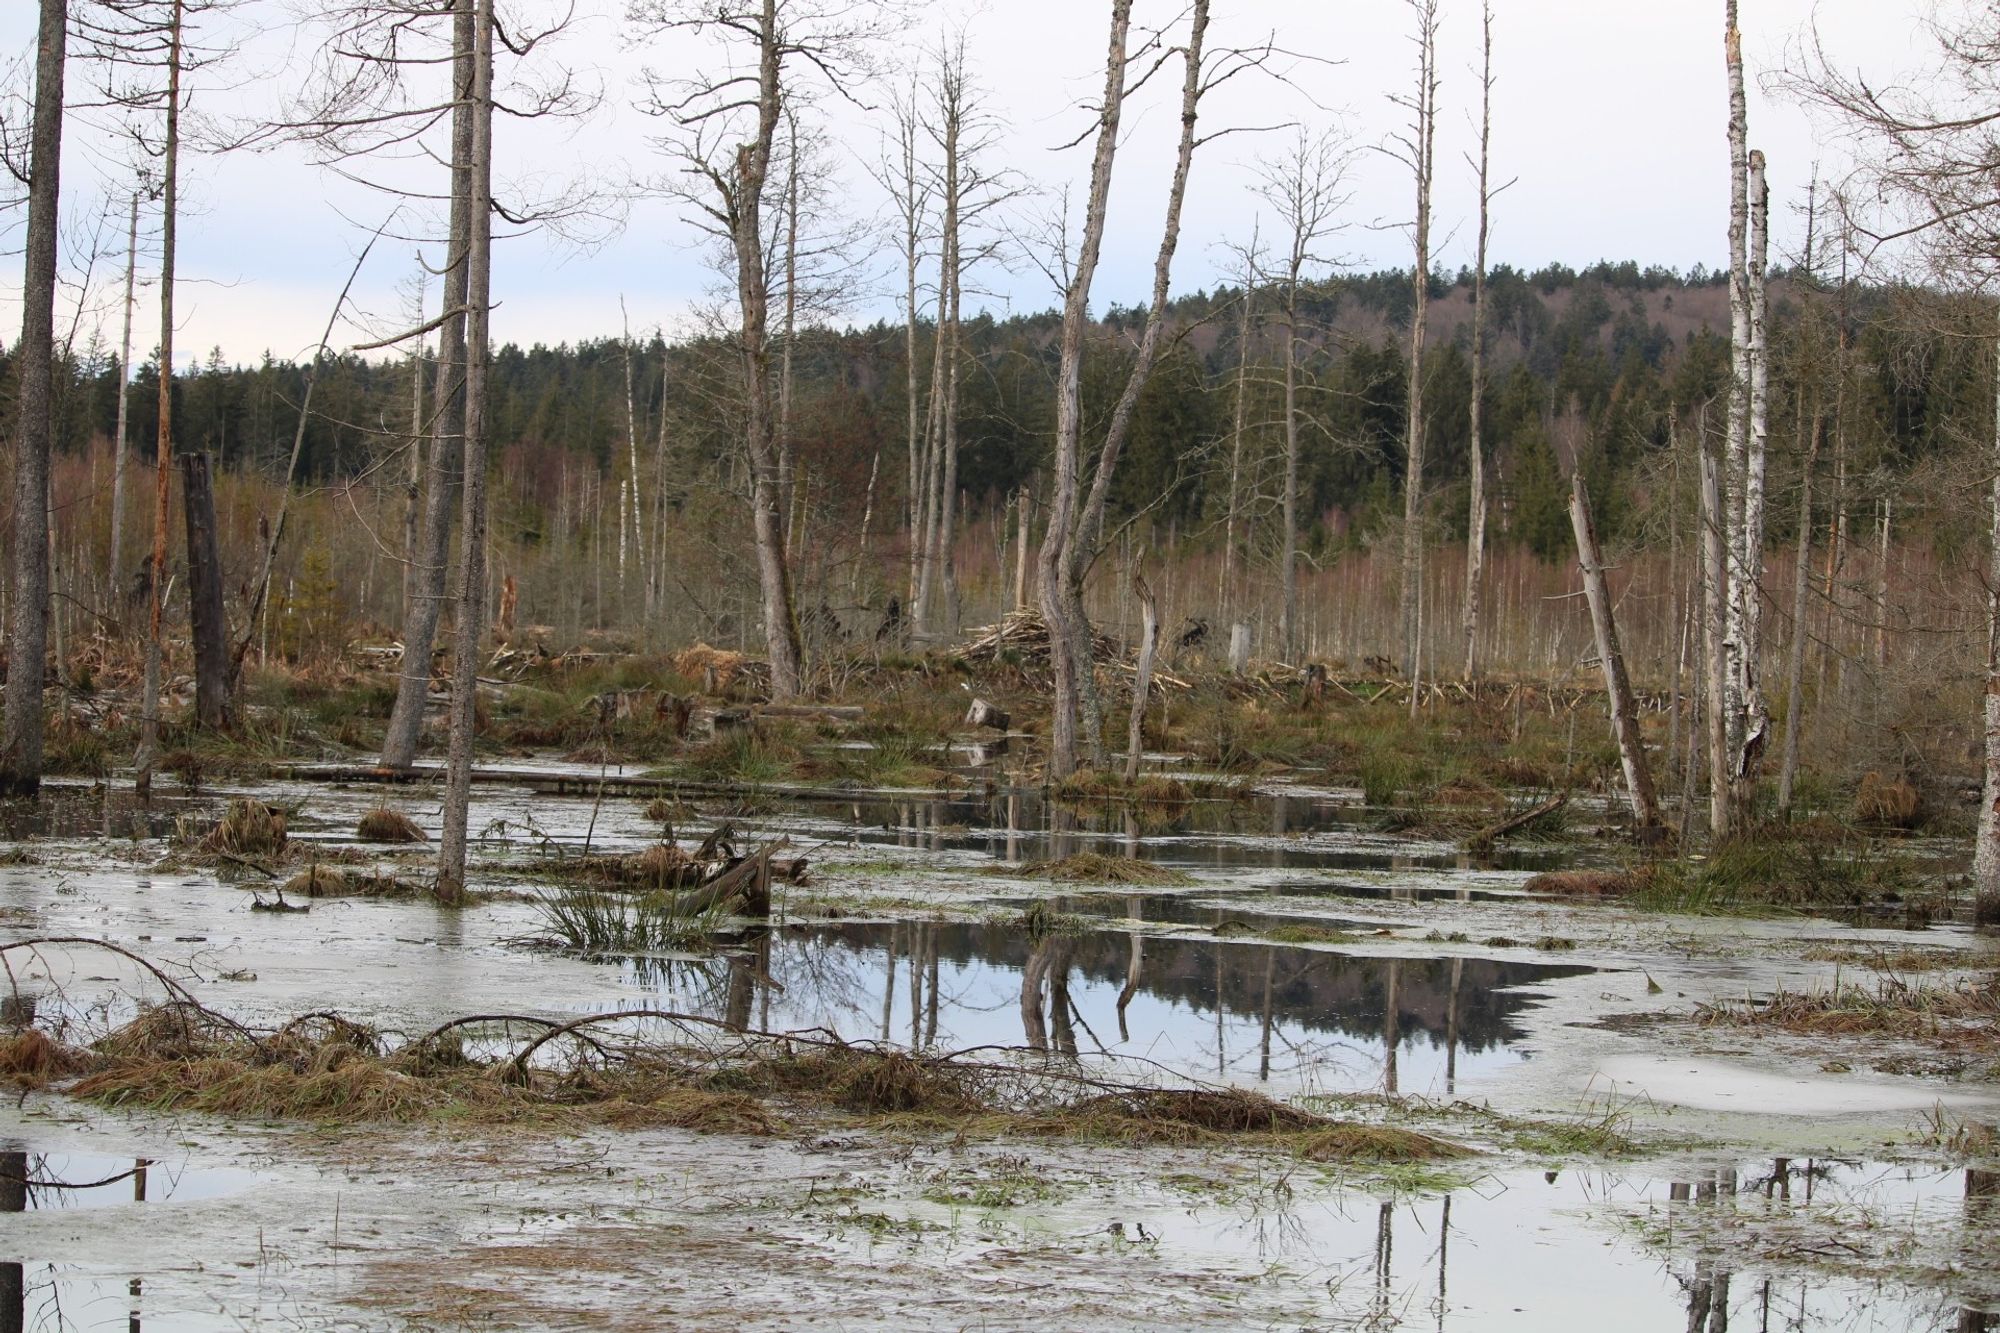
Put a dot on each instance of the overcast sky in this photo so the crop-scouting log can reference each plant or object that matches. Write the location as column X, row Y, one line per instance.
column 1611, row 115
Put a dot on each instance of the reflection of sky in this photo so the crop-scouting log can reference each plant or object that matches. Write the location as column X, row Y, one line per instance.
column 52, row 1176
column 840, row 986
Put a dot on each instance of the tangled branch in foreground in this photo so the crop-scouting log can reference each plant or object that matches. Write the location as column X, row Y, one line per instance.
column 649, row 1067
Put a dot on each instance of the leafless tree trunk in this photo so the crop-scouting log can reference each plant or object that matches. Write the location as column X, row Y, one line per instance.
column 1475, row 527
column 149, row 723
column 27, row 639
column 1715, row 657
column 1617, row 686
column 471, row 601
column 1074, row 534
column 1304, row 187
column 1142, row 678
column 428, row 573
column 413, row 486
column 1795, row 666
column 1069, row 669
column 1418, row 146
column 204, row 583
column 116, row 564
column 1986, row 850
column 1239, row 421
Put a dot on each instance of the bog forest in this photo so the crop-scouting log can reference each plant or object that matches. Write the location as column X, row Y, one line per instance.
column 1246, row 788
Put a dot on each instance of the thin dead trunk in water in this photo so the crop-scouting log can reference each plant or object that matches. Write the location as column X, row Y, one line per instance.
column 115, row 565
column 1142, row 679
column 149, row 708
column 1475, row 527
column 210, row 628
column 1227, row 597
column 471, row 602
column 27, row 637
column 1617, row 685
column 420, row 626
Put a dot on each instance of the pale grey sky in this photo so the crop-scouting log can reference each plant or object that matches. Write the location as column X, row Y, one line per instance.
column 1610, row 113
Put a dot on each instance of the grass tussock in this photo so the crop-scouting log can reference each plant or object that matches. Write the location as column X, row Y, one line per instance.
column 247, row 828
column 1800, row 867
column 1376, row 1145
column 604, row 923
column 1587, row 883
column 32, row 1059
column 1096, row 868
column 383, row 824
column 1960, row 1016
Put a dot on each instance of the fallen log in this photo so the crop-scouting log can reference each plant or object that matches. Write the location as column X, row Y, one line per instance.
column 1485, row 838
column 743, row 889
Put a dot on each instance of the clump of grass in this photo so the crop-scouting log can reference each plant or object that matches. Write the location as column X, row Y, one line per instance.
column 601, row 923
column 318, row 882
column 383, row 824
column 746, row 754
column 1379, row 1144
column 1894, row 802
column 1096, row 868
column 1103, row 784
column 1960, row 1016
column 247, row 828
column 1797, row 867
column 1880, row 958
column 31, row 1059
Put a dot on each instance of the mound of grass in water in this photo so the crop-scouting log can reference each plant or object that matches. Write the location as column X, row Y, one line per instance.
column 1961, row 1016
column 1797, row 867
column 247, row 828
column 383, row 824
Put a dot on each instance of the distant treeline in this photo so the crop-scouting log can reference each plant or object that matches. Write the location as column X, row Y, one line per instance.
column 1589, row 368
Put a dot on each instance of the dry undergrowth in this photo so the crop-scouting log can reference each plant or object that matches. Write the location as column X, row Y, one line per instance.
column 328, row 1069
column 382, row 824
column 1958, row 1016
column 1096, row 868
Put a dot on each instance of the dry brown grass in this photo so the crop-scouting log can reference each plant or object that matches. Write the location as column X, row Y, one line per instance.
column 1096, row 868
column 1586, row 883
column 247, row 828
column 383, row 824
column 31, row 1059
column 1961, row 1016
column 1892, row 801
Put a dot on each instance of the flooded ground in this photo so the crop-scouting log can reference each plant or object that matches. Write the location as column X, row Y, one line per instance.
column 1628, row 1161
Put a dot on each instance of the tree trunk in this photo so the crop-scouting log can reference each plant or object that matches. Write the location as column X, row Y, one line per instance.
column 1142, row 679
column 1288, row 632
column 471, row 602
column 1227, row 599
column 1795, row 666
column 115, row 565
column 1617, row 686
column 1421, row 145
column 1986, row 851
column 27, row 638
column 209, row 628
column 1079, row 547
column 1475, row 526
column 1756, row 724
column 1068, row 668
column 1714, row 586
column 149, row 708
column 413, row 487
column 753, row 290
column 420, row 627
column 1729, row 700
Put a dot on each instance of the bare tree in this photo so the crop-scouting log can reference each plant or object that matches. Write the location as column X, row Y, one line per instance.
column 1925, row 146
column 724, row 126
column 120, row 447
column 1417, row 148
column 1307, row 189
column 27, row 638
column 470, row 604
column 1611, row 657
column 1475, row 526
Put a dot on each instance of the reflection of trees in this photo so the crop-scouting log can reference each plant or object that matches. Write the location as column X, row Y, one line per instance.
column 13, row 1279
column 1306, row 988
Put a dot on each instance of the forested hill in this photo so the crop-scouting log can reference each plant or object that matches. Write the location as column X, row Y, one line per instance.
column 1586, row 367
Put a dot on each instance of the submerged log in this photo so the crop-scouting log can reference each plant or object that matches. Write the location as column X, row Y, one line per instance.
column 1485, row 838
column 743, row 889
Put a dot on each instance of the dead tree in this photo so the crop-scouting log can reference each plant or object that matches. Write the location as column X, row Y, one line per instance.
column 120, row 446
column 723, row 128
column 1307, row 189
column 1416, row 146
column 27, row 638
column 1617, row 685
column 1475, row 526
column 1076, row 520
column 470, row 604
column 204, row 582
column 1142, row 676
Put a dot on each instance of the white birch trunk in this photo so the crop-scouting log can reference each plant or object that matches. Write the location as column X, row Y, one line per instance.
column 1986, row 849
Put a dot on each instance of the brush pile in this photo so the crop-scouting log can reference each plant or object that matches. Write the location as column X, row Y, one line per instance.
column 1023, row 635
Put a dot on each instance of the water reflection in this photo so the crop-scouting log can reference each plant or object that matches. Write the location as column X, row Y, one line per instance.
column 1241, row 1011
column 1277, row 832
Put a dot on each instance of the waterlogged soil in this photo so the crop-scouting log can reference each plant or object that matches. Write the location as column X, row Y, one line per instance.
column 1295, row 948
